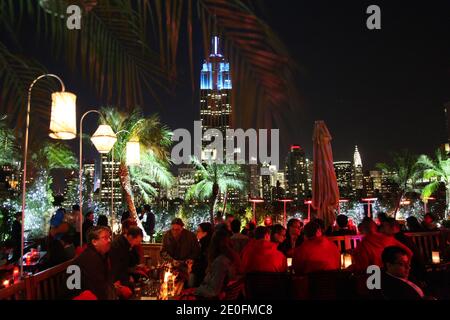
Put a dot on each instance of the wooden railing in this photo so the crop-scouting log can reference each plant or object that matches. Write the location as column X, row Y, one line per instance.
column 45, row 285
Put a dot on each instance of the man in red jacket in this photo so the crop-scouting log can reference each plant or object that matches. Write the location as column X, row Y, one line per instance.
column 316, row 253
column 369, row 251
column 262, row 255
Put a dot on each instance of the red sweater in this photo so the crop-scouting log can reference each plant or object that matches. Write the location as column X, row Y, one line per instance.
column 263, row 256
column 370, row 249
column 318, row 254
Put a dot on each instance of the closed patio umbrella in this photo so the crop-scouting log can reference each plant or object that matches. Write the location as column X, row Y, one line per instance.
column 325, row 192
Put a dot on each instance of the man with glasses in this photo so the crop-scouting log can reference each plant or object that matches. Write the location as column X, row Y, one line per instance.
column 394, row 280
column 95, row 266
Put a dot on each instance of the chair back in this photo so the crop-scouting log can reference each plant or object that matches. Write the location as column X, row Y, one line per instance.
column 267, row 286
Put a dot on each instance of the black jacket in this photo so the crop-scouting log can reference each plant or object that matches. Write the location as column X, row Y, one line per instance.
column 186, row 247
column 396, row 289
column 120, row 255
column 201, row 263
column 96, row 273
column 149, row 224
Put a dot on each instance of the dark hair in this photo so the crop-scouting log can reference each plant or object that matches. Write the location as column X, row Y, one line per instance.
column 178, row 221
column 311, row 228
column 391, row 253
column 260, row 232
column 342, row 220
column 135, row 231
column 382, row 216
column 125, row 215
column 251, row 226
column 147, row 207
column 94, row 233
column 292, row 221
column 88, row 213
column 229, row 215
column 392, row 222
column 219, row 245
column 17, row 214
column 76, row 207
column 127, row 224
column 277, row 228
column 206, row 227
column 102, row 220
column 320, row 222
column 235, row 225
column 413, row 224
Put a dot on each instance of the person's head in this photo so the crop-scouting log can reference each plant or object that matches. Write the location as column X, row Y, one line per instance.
column 235, row 226
column 396, row 261
column 18, row 216
column 251, row 226
column 220, row 245
column 75, row 207
column 147, row 208
column 390, row 227
column 428, row 219
column 342, row 221
column 294, row 227
column 127, row 224
column 134, row 236
column 102, row 220
column 367, row 226
column 125, row 215
column 100, row 238
column 413, row 224
column 312, row 230
column 321, row 224
column 278, row 233
column 89, row 216
column 219, row 216
column 228, row 219
column 204, row 229
column 177, row 227
column 262, row 233
column 381, row 216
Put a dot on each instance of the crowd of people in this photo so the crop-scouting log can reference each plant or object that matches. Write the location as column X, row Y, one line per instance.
column 218, row 254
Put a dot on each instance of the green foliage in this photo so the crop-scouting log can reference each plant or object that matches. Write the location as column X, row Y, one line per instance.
column 226, row 176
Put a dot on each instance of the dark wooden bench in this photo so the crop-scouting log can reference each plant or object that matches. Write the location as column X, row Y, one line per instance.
column 50, row 284
column 346, row 243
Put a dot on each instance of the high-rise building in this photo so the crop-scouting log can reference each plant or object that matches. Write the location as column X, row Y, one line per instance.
column 71, row 190
column 266, row 188
column 185, row 179
column 252, row 180
column 358, row 176
column 110, row 184
column 215, row 98
column 343, row 170
column 10, row 180
column 296, row 174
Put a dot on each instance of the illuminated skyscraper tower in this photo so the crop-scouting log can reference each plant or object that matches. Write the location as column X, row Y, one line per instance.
column 215, row 97
column 358, row 177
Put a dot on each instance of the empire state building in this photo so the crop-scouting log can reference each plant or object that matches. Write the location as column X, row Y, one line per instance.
column 215, row 98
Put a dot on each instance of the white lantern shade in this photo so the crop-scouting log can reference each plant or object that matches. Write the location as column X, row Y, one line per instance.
column 104, row 138
column 63, row 123
column 133, row 152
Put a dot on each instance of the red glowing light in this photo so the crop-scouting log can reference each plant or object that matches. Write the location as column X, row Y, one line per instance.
column 369, row 199
column 257, row 200
column 285, row 200
column 343, row 200
column 308, row 202
column 295, row 147
column 6, row 283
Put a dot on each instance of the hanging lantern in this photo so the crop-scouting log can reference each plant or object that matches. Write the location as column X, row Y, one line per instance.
column 133, row 152
column 104, row 138
column 63, row 124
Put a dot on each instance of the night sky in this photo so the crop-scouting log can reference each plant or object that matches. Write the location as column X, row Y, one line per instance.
column 383, row 90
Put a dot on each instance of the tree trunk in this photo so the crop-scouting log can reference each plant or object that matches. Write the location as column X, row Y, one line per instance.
column 212, row 201
column 447, row 201
column 398, row 205
column 125, row 182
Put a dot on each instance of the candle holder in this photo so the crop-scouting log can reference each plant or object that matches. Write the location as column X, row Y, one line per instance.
column 435, row 257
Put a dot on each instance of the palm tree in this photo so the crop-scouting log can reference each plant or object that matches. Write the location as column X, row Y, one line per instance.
column 154, row 139
column 438, row 171
column 404, row 172
column 213, row 179
column 126, row 49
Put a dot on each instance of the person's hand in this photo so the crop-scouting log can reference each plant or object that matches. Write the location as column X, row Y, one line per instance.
column 189, row 264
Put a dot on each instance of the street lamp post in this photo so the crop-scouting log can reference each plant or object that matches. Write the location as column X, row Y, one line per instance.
column 103, row 140
column 284, row 209
column 62, row 126
column 254, row 201
column 308, row 202
column 369, row 201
